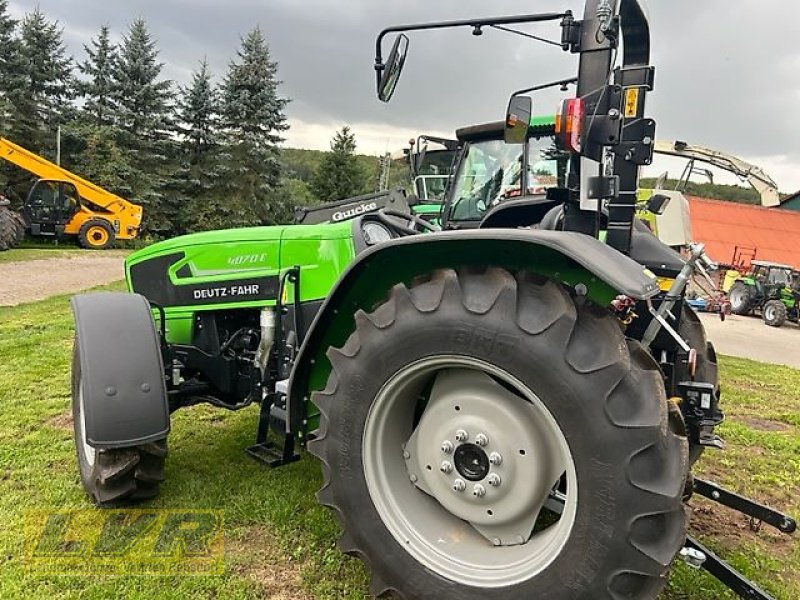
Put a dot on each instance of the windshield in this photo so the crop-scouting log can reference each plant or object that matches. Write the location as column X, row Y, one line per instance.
column 490, row 172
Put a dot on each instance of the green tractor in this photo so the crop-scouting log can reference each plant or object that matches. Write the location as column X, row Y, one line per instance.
column 507, row 408
column 770, row 289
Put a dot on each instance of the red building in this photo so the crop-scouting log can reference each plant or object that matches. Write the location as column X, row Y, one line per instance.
column 774, row 233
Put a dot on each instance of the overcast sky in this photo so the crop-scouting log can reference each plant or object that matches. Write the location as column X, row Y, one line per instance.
column 727, row 72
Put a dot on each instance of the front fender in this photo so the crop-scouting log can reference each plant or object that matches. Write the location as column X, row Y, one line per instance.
column 121, row 370
column 567, row 257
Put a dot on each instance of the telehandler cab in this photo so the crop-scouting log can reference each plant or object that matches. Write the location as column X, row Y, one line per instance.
column 500, row 412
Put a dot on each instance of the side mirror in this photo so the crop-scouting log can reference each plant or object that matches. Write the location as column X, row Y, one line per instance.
column 390, row 74
column 658, row 204
column 518, row 119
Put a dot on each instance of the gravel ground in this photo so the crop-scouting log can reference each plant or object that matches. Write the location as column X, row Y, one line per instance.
column 749, row 337
column 31, row 280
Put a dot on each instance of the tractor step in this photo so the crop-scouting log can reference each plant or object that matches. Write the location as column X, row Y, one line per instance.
column 265, row 451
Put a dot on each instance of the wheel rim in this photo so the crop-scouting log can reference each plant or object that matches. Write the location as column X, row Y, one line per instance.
column 769, row 313
column 89, row 452
column 97, row 236
column 483, row 428
column 737, row 297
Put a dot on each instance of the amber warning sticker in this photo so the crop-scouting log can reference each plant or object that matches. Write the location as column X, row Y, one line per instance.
column 631, row 102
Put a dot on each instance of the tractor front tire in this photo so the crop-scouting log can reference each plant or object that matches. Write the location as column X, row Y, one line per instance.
column 118, row 476
column 462, row 407
column 96, row 234
column 739, row 295
column 774, row 313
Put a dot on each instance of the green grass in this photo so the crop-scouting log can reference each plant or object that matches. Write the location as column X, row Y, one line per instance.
column 278, row 540
column 40, row 252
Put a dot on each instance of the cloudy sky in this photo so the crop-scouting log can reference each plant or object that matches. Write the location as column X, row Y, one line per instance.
column 727, row 72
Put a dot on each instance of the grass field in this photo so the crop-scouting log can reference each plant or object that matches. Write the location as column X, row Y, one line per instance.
column 40, row 252
column 279, row 542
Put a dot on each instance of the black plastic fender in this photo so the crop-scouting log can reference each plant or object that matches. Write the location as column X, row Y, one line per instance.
column 122, row 372
column 573, row 259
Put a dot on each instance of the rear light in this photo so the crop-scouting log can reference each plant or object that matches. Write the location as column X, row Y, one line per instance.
column 569, row 121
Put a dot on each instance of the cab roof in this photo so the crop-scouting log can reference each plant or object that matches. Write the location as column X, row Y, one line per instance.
column 494, row 131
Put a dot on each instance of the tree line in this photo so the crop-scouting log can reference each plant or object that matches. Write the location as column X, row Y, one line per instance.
column 197, row 156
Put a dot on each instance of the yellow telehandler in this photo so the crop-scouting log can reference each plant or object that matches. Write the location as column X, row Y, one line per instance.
column 61, row 203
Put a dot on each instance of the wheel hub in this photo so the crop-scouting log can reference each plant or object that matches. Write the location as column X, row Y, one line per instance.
column 481, row 453
column 471, row 462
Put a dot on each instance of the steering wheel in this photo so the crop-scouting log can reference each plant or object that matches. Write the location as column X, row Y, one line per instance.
column 405, row 229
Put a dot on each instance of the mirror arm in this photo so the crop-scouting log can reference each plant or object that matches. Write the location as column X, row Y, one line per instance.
column 474, row 23
column 543, row 86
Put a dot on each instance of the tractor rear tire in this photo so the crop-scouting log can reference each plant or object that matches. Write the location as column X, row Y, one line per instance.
column 774, row 313
column 741, row 302
column 96, row 234
column 530, row 350
column 118, row 476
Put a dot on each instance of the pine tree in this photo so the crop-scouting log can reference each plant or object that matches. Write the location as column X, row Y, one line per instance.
column 198, row 112
column 197, row 121
column 339, row 174
column 99, row 86
column 10, row 64
column 41, row 100
column 141, row 100
column 252, row 121
column 142, row 105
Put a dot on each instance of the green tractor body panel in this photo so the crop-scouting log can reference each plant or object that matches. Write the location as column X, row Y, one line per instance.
column 236, row 269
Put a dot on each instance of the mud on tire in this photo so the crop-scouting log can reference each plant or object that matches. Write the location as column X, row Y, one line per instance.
column 605, row 393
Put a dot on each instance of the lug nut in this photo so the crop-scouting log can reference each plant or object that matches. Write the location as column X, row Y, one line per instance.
column 413, row 478
column 447, row 446
column 406, row 454
column 481, row 439
column 459, row 485
column 494, row 480
column 478, row 491
column 461, row 435
column 446, row 467
column 495, row 459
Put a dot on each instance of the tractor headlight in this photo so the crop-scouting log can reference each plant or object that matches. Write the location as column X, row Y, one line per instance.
column 375, row 233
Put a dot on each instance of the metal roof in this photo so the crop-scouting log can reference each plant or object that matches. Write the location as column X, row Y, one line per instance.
column 721, row 226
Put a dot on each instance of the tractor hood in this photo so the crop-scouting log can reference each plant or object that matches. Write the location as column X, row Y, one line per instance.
column 239, row 266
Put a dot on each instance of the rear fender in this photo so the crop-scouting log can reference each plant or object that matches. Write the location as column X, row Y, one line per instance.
column 573, row 259
column 121, row 368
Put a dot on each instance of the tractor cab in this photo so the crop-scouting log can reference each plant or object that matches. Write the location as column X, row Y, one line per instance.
column 491, row 172
column 50, row 205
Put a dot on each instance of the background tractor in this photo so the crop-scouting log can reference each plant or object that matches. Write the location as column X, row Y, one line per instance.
column 508, row 408
column 769, row 289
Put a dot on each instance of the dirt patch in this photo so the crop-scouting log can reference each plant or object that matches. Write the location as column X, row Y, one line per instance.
column 62, row 421
column 764, row 424
column 258, row 559
column 732, row 529
column 28, row 281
